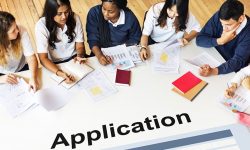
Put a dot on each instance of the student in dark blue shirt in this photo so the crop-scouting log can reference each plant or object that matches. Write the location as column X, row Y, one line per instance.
column 228, row 31
column 111, row 24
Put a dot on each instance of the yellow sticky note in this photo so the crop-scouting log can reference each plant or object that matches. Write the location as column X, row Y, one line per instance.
column 164, row 57
column 96, row 90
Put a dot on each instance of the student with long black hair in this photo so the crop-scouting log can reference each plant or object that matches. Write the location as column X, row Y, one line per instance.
column 166, row 21
column 59, row 37
column 15, row 50
column 109, row 24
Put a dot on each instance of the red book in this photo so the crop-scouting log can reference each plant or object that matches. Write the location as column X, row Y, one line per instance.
column 123, row 77
column 186, row 82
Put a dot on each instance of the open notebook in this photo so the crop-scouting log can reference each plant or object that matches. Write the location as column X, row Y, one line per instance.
column 79, row 71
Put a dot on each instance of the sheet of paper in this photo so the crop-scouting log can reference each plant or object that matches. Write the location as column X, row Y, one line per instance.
column 97, row 86
column 240, row 101
column 16, row 98
column 134, row 53
column 120, row 57
column 167, row 59
column 202, row 59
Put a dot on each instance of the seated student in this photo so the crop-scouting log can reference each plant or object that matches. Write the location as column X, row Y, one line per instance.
column 168, row 21
column 110, row 24
column 228, row 31
column 242, row 78
column 15, row 49
column 59, row 37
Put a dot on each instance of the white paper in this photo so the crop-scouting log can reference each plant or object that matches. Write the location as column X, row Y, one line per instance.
column 168, row 59
column 97, row 86
column 134, row 53
column 239, row 102
column 202, row 59
column 120, row 57
column 16, row 98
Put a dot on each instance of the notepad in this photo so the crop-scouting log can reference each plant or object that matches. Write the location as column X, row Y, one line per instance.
column 123, row 77
column 186, row 82
column 76, row 69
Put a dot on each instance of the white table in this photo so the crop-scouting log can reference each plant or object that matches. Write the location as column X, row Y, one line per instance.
column 149, row 94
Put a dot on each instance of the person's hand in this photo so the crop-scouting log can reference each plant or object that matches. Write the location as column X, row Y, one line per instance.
column 80, row 60
column 206, row 70
column 144, row 54
column 104, row 60
column 183, row 42
column 34, row 84
column 227, row 36
column 68, row 78
column 9, row 78
column 229, row 93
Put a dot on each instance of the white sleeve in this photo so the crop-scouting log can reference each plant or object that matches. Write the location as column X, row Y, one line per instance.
column 192, row 24
column 26, row 44
column 243, row 73
column 149, row 22
column 79, row 30
column 42, row 37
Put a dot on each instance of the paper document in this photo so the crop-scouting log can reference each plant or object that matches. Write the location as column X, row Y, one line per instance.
column 202, row 59
column 167, row 59
column 120, row 57
column 134, row 53
column 16, row 98
column 97, row 86
column 239, row 102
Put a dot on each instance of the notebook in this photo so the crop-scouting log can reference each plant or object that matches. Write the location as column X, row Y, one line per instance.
column 192, row 93
column 186, row 82
column 123, row 77
column 76, row 69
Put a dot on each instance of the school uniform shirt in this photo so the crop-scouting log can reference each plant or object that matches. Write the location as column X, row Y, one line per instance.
column 63, row 50
column 162, row 34
column 236, row 52
column 126, row 30
column 16, row 64
column 241, row 75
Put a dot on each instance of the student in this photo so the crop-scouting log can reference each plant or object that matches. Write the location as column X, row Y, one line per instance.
column 15, row 49
column 59, row 37
column 241, row 78
column 109, row 24
column 168, row 21
column 228, row 31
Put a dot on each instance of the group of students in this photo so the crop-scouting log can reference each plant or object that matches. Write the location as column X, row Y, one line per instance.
column 59, row 36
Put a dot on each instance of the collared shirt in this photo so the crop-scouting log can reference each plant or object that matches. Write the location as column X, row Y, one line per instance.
column 162, row 34
column 242, row 25
column 120, row 21
column 64, row 50
column 16, row 64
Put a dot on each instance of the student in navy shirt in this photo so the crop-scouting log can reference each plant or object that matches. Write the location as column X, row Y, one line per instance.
column 228, row 31
column 109, row 24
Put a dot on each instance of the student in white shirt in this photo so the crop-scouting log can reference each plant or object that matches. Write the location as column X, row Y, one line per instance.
column 59, row 37
column 15, row 49
column 167, row 21
column 242, row 78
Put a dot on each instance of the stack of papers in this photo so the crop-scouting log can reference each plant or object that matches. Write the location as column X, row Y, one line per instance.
column 167, row 59
column 16, row 98
column 97, row 86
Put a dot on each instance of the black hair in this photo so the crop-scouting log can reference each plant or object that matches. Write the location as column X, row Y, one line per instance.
column 49, row 12
column 182, row 10
column 104, row 25
column 231, row 9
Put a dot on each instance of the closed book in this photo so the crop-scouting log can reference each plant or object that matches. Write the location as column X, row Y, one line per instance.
column 186, row 82
column 123, row 77
column 192, row 93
